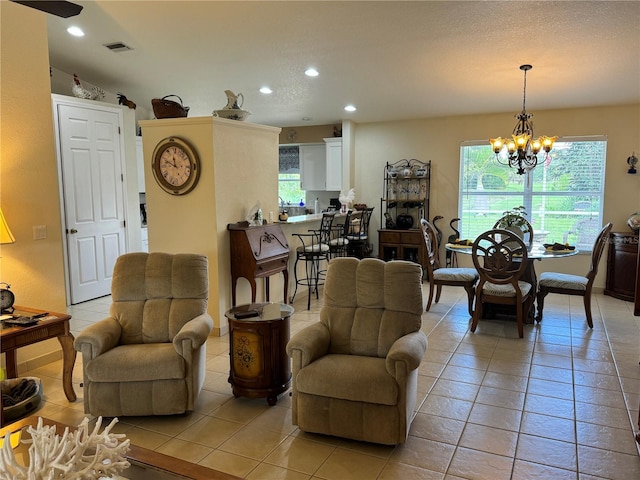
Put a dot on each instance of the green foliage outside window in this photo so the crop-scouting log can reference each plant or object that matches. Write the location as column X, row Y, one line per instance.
column 289, row 188
column 289, row 175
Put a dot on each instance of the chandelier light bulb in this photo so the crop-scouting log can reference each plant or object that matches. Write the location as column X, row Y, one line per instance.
column 547, row 143
column 497, row 144
column 521, row 140
column 536, row 145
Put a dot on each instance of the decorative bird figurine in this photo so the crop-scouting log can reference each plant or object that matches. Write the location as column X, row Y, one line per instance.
column 96, row 93
column 122, row 100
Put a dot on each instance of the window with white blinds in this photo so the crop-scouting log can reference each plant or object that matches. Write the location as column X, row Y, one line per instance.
column 563, row 195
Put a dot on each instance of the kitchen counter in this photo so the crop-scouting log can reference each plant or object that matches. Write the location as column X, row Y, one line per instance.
column 307, row 218
column 302, row 218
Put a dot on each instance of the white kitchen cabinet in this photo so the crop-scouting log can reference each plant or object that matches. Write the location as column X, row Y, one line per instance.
column 313, row 167
column 140, row 164
column 333, row 164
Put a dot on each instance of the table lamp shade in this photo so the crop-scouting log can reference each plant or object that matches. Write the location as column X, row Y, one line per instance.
column 5, row 232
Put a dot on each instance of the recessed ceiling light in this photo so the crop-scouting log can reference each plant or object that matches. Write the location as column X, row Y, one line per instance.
column 350, row 108
column 266, row 90
column 75, row 31
column 311, row 72
column 306, row 119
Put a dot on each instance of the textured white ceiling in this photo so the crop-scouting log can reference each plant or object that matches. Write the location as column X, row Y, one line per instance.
column 392, row 59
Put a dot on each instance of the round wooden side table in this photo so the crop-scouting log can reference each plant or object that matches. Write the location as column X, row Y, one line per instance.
column 258, row 336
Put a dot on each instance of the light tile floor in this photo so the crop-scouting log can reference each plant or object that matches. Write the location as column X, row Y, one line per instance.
column 561, row 403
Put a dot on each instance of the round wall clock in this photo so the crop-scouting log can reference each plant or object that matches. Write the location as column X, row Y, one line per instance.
column 176, row 166
column 6, row 298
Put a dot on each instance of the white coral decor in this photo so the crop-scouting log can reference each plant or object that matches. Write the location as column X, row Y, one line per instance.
column 76, row 455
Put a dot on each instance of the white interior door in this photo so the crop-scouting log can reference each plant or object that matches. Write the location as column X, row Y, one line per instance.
column 93, row 197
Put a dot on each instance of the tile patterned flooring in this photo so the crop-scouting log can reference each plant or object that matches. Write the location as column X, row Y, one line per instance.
column 561, row 403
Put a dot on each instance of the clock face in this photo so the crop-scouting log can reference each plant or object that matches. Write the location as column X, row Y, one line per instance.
column 6, row 299
column 176, row 166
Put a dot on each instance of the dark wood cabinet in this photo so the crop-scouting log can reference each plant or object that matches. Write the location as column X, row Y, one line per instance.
column 402, row 245
column 260, row 366
column 622, row 263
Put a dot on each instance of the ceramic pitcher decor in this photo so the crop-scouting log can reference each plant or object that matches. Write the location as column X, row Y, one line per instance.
column 232, row 100
column 233, row 109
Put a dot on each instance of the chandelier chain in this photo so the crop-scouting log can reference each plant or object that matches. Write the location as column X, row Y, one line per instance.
column 524, row 92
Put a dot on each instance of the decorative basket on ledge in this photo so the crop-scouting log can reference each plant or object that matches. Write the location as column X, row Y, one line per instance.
column 163, row 108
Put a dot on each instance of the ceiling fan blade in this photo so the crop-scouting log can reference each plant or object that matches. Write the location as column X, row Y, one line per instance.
column 59, row 8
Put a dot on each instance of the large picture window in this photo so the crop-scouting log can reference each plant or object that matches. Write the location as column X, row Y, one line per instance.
column 563, row 195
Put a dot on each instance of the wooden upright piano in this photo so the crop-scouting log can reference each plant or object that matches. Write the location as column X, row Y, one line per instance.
column 258, row 252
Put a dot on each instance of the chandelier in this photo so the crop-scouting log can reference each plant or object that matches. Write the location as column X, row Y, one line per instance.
column 522, row 149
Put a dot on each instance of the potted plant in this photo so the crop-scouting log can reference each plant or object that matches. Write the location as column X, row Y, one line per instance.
column 514, row 217
column 515, row 221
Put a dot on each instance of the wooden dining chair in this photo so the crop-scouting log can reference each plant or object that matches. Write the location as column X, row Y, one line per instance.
column 456, row 277
column 500, row 257
column 567, row 284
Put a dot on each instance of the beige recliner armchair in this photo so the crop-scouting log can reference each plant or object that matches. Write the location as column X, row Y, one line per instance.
column 355, row 371
column 148, row 357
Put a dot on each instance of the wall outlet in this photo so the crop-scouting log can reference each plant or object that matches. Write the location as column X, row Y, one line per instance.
column 271, row 217
column 39, row 232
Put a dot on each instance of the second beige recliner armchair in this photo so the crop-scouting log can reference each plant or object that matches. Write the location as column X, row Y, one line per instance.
column 355, row 371
column 148, row 357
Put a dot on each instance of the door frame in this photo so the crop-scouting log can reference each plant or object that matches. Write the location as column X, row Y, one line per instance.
column 58, row 100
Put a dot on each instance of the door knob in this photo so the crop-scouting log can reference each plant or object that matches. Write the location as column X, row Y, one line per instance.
column 73, row 230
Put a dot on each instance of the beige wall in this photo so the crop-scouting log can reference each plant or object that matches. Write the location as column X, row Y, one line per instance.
column 439, row 140
column 29, row 192
column 239, row 168
column 308, row 134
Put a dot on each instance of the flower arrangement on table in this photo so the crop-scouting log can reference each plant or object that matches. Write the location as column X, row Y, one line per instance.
column 73, row 456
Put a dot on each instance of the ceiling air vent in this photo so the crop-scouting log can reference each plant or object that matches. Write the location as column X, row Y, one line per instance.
column 118, row 47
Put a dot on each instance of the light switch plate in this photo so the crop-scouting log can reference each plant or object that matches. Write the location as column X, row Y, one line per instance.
column 39, row 232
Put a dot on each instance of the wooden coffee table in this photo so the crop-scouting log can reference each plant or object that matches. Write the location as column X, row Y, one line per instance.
column 53, row 325
column 144, row 463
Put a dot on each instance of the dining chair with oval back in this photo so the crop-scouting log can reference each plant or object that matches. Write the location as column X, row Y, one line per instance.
column 500, row 257
column 563, row 283
column 452, row 276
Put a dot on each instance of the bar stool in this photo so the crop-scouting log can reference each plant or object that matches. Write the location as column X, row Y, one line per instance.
column 339, row 243
column 313, row 250
column 358, row 235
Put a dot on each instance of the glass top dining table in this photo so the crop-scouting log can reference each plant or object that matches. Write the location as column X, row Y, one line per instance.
column 536, row 252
